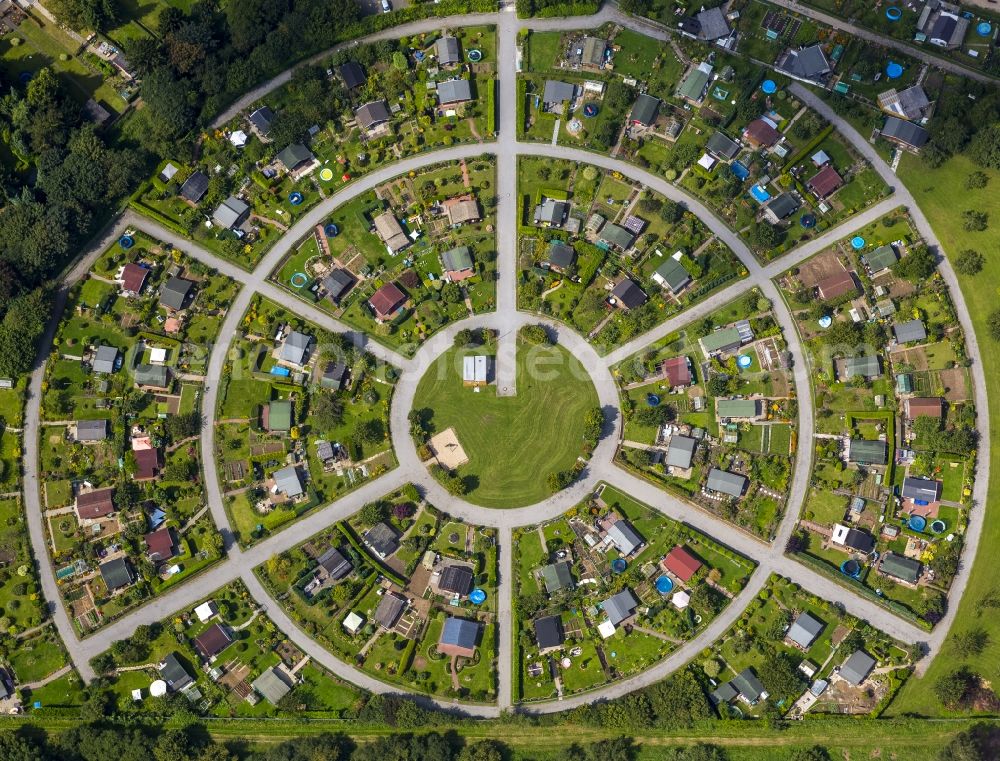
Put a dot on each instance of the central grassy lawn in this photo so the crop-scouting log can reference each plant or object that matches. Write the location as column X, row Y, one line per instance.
column 513, row 443
column 936, row 191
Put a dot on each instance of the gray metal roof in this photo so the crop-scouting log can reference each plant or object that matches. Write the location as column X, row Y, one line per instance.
column 620, row 606
column 867, row 366
column 287, row 481
column 272, row 686
column 156, row 376
column 557, row 92
column 334, row 563
column 808, row 63
column 713, row 24
column 624, row 537
column 913, row 330
column 616, row 235
column 295, row 347
column 454, row 91
column 231, row 213
column 868, row 451
column 748, row 685
column 337, row 283
column 857, row 667
column 805, row 629
column 448, row 52
column 382, row 538
column 91, row 430
column 557, row 576
column 551, row 212
column 460, row 632
column 389, row 609
column 680, row 453
column 725, row 482
column 104, row 359
column 672, row 274
column 901, row 567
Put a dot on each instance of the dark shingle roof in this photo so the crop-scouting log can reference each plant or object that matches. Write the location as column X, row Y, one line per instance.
column 294, row 155
column 905, row 132
column 175, row 291
column 195, row 187
column 117, row 573
column 629, row 294
column 644, row 109
column 372, row 114
column 549, row 632
column 389, row 609
column 857, row 667
column 212, row 641
column 334, row 563
column 456, row 579
column 353, row 75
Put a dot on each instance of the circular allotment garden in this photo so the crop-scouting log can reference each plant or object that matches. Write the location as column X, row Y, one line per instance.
column 505, row 447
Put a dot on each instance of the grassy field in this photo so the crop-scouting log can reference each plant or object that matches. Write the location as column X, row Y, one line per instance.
column 936, row 192
column 500, row 435
column 743, row 741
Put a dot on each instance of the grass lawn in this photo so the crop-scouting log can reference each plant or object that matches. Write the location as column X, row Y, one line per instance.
column 500, row 435
column 936, row 191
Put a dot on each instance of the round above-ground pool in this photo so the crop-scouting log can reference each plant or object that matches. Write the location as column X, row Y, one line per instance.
column 938, row 526
column 475, row 55
column 326, row 174
column 331, row 230
column 808, row 221
column 664, row 584
column 851, row 568
column 825, row 321
column 984, row 28
column 652, row 400
column 295, row 198
column 744, row 361
column 590, row 110
column 418, row 56
column 477, row 596
column 769, row 86
column 917, row 522
column 893, row 13
column 299, row 280
column 894, row 70
column 857, row 243
column 126, row 242
column 618, row 565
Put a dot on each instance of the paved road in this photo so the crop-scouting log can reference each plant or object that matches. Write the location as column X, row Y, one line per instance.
column 506, row 320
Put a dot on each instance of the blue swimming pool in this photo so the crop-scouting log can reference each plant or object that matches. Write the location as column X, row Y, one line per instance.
column 283, row 372
column 739, row 170
column 760, row 194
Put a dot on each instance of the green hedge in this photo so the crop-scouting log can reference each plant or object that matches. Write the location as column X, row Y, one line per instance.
column 809, row 147
column 491, row 107
column 149, row 211
column 352, row 539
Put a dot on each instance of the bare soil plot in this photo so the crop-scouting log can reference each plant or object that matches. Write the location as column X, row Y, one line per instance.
column 819, row 267
column 447, row 450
